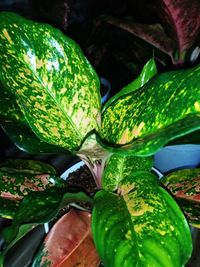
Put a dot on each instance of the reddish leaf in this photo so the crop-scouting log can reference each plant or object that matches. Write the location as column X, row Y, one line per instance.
column 185, row 186
column 182, row 19
column 69, row 243
column 153, row 33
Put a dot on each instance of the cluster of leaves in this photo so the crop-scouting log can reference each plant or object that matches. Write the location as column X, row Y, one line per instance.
column 51, row 92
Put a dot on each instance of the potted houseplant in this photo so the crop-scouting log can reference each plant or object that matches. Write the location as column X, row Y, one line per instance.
column 50, row 102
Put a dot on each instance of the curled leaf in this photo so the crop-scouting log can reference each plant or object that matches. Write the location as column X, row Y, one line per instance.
column 144, row 120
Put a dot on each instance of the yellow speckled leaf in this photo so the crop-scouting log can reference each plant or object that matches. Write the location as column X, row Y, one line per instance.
column 56, row 87
column 166, row 107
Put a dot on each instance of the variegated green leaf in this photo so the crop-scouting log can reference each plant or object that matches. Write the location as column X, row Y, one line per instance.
column 185, row 187
column 55, row 86
column 120, row 166
column 141, row 226
column 16, row 127
column 19, row 177
column 148, row 72
column 168, row 106
column 43, row 206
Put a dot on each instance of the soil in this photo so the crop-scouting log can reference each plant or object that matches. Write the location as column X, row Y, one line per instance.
column 83, row 178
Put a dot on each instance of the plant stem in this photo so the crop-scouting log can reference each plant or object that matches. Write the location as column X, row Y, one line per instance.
column 95, row 158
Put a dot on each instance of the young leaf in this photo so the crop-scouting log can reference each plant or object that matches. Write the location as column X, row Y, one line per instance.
column 55, row 86
column 69, row 246
column 148, row 72
column 146, row 119
column 120, row 166
column 185, row 187
column 143, row 226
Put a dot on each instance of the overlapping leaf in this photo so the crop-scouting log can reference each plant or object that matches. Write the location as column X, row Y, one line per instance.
column 143, row 226
column 168, row 106
column 55, row 86
column 69, row 246
column 185, row 187
column 19, row 177
column 148, row 72
column 120, row 166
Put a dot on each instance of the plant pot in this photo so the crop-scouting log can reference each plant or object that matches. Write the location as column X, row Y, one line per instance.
column 176, row 157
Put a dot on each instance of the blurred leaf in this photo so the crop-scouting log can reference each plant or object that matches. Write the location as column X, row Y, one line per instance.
column 182, row 21
column 69, row 246
column 191, row 138
column 185, row 187
column 120, row 166
column 143, row 121
column 141, row 226
column 26, row 166
column 55, row 86
column 148, row 72
column 153, row 34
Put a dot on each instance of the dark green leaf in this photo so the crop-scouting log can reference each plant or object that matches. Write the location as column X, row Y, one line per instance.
column 147, row 73
column 185, row 187
column 8, row 207
column 119, row 166
column 167, row 107
column 54, row 84
column 26, row 166
column 40, row 207
column 141, row 226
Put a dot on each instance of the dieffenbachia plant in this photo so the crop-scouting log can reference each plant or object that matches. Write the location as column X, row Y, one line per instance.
column 51, row 92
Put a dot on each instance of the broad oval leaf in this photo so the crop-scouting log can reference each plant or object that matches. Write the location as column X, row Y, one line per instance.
column 185, row 187
column 55, row 86
column 69, row 243
column 141, row 226
column 168, row 106
column 119, row 166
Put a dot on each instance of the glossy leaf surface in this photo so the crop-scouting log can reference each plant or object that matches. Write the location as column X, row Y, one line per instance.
column 185, row 187
column 167, row 107
column 120, row 166
column 43, row 206
column 141, row 226
column 148, row 72
column 68, row 246
column 16, row 127
column 55, row 86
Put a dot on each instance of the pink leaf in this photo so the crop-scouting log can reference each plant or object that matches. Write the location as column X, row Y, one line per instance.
column 69, row 243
